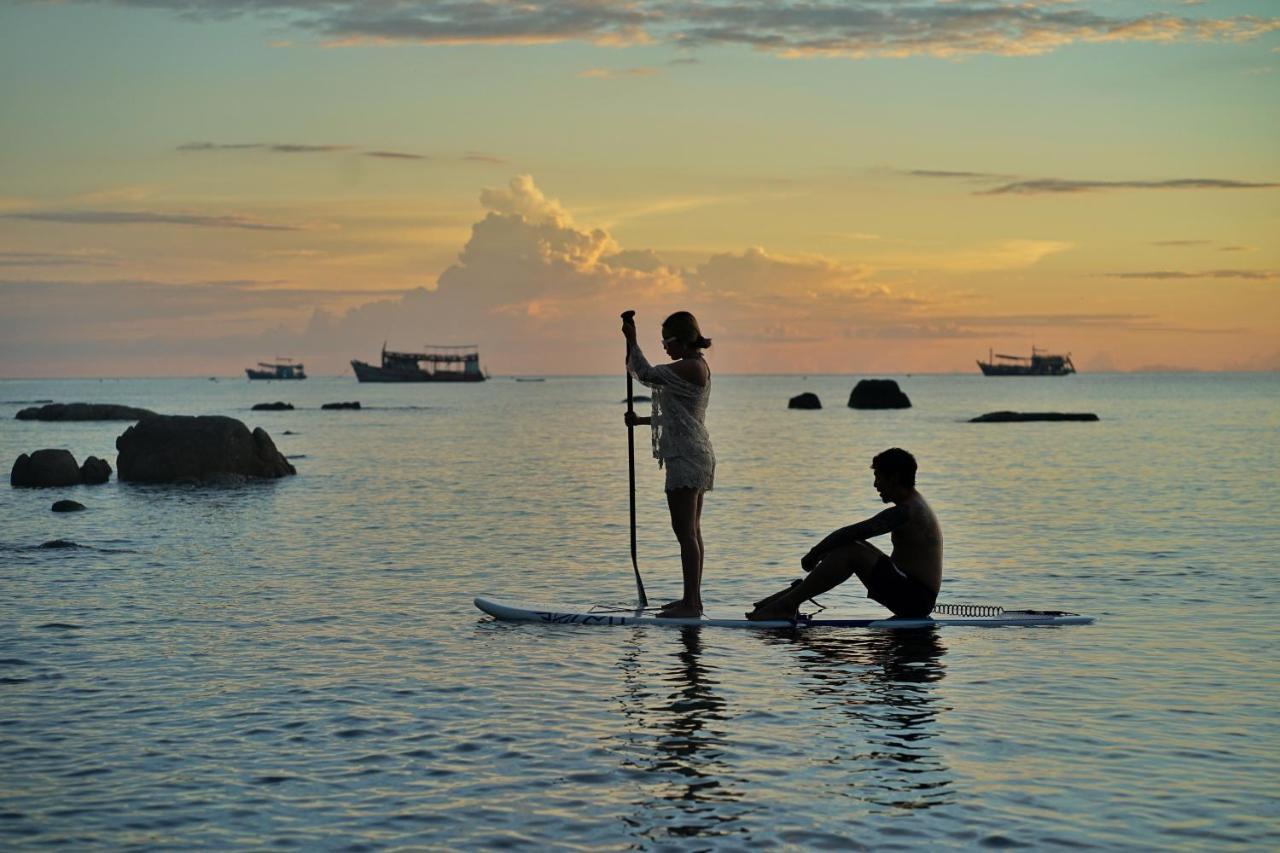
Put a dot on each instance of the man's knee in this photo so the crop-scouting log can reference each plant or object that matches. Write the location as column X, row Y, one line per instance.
column 855, row 558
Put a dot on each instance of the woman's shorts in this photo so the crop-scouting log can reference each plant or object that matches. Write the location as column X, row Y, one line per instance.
column 687, row 473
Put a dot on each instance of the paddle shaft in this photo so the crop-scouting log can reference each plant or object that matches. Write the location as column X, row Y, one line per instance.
column 631, row 470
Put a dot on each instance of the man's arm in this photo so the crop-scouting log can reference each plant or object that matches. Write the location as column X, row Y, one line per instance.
column 879, row 524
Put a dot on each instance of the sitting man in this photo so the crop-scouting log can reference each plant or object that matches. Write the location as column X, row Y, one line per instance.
column 906, row 582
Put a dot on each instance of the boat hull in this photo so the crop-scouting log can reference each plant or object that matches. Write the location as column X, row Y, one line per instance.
column 366, row 372
column 267, row 374
column 1020, row 370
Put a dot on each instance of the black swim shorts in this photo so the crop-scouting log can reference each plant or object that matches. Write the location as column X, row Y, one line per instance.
column 904, row 595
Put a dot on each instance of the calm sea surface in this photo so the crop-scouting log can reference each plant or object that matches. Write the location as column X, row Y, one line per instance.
column 298, row 663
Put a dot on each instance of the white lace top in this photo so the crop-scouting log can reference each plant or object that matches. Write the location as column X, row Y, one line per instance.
column 678, row 421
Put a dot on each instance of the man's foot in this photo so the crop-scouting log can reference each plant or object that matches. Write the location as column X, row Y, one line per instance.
column 770, row 599
column 683, row 611
column 773, row 612
column 679, row 602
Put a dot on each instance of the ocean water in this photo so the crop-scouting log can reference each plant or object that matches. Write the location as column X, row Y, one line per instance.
column 298, row 663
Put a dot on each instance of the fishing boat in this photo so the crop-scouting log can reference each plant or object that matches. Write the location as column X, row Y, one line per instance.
column 434, row 364
column 281, row 368
column 1039, row 364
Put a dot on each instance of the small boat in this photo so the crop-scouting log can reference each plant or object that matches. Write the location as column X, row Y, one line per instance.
column 281, row 368
column 1039, row 364
column 434, row 364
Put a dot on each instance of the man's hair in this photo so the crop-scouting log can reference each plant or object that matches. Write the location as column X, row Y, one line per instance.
column 895, row 460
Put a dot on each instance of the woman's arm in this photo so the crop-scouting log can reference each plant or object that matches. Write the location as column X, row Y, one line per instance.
column 632, row 419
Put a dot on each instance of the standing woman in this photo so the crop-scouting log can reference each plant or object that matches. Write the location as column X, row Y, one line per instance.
column 680, row 441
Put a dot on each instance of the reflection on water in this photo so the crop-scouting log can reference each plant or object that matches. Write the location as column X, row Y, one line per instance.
column 872, row 693
column 677, row 737
column 875, row 689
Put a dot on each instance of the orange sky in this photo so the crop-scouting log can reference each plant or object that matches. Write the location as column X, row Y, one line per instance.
column 877, row 190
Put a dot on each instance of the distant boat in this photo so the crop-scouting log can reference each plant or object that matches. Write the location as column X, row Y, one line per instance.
column 281, row 368
column 435, row 364
column 530, row 379
column 1039, row 364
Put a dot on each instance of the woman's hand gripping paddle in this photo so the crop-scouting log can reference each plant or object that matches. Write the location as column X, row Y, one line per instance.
column 628, row 318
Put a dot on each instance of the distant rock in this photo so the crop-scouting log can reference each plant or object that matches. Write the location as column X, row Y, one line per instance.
column 60, row 543
column 83, row 412
column 807, row 400
column 95, row 471
column 289, row 432
column 1017, row 417
column 355, row 404
column 878, row 394
column 638, row 398
column 67, row 506
column 45, row 468
column 197, row 449
column 277, row 406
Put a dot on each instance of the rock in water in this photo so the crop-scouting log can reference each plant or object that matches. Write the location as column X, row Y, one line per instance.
column 1018, row 417
column 95, row 471
column 277, row 406
column 878, row 394
column 83, row 412
column 355, row 404
column 67, row 506
column 807, row 400
column 205, row 448
column 45, row 468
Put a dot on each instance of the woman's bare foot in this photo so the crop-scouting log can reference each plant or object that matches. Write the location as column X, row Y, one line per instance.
column 684, row 611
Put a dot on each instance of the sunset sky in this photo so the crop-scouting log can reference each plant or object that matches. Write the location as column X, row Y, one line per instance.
column 190, row 186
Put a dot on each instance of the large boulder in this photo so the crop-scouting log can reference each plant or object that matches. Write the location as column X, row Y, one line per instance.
column 277, row 406
column 878, row 394
column 67, row 506
column 184, row 448
column 83, row 412
column 807, row 400
column 95, row 471
column 1018, row 417
column 354, row 404
column 45, row 468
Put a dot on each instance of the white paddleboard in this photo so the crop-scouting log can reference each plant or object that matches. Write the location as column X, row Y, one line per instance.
column 605, row 614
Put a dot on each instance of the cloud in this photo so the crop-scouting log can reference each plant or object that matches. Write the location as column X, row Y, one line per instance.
column 52, row 259
column 820, row 28
column 1059, row 185
column 396, row 155
column 294, row 148
column 1164, row 275
column 273, row 147
column 1039, row 186
column 145, row 217
column 617, row 73
column 479, row 157
column 974, row 176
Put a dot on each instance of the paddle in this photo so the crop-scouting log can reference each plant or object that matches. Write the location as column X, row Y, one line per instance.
column 631, row 460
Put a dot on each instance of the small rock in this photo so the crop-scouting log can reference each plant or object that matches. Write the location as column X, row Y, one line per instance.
column 639, row 398
column 45, row 468
column 1019, row 417
column 59, row 543
column 878, row 394
column 95, row 471
column 277, row 406
column 84, row 412
column 807, row 400
column 355, row 404
column 66, row 506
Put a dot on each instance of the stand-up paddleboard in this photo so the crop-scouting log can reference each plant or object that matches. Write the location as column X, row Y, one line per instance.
column 607, row 614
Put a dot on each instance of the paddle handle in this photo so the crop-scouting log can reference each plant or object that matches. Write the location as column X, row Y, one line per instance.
column 631, row 471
